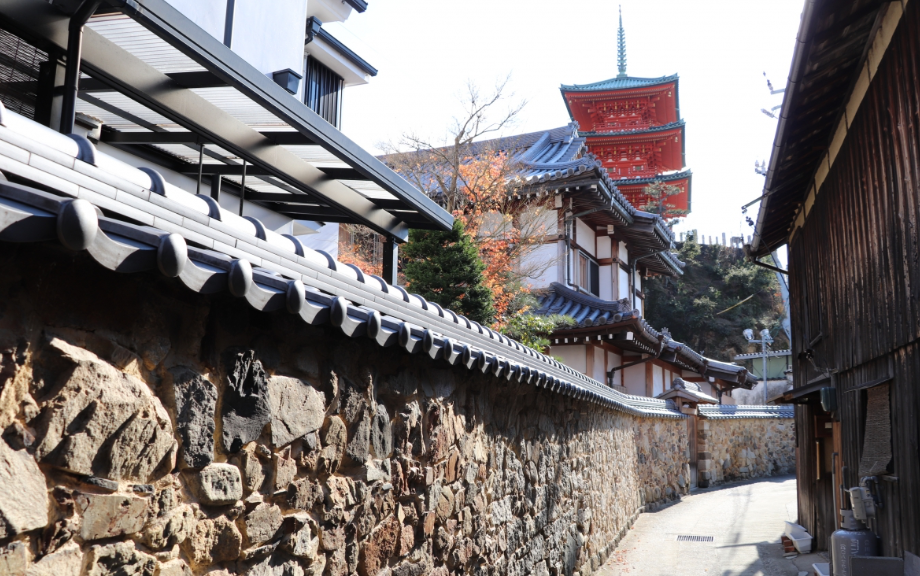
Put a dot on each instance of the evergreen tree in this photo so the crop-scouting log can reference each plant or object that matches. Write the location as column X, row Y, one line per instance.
column 718, row 296
column 658, row 196
column 445, row 267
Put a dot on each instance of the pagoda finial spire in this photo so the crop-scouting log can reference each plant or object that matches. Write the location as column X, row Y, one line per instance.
column 621, row 47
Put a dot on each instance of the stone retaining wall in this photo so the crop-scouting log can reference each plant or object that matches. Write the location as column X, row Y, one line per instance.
column 750, row 448
column 149, row 430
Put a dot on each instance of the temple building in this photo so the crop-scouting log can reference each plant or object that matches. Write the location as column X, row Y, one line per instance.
column 633, row 126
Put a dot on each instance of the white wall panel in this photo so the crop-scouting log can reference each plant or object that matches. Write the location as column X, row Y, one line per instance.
column 634, row 379
column 606, row 282
column 572, row 356
column 614, row 360
column 599, row 373
column 657, row 380
column 270, row 35
column 207, row 14
column 547, row 253
column 603, row 246
column 325, row 239
column 585, row 237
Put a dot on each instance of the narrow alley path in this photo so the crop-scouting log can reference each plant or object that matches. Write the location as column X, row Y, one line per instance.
column 745, row 521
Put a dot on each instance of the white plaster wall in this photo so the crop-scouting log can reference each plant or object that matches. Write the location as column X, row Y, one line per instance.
column 585, row 237
column 207, row 14
column 614, row 360
column 599, row 373
column 545, row 253
column 640, row 303
column 606, row 282
column 657, row 380
column 603, row 246
column 634, row 379
column 622, row 284
column 325, row 239
column 707, row 388
column 270, row 35
column 623, row 253
column 572, row 356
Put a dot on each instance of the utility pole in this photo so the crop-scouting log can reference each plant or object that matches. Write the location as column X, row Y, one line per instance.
column 765, row 341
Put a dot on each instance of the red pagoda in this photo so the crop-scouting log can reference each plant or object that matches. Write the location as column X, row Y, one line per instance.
column 633, row 126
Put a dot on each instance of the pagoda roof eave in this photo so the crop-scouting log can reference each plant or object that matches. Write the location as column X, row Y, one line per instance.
column 659, row 178
column 576, row 88
column 681, row 124
column 673, row 177
column 618, row 84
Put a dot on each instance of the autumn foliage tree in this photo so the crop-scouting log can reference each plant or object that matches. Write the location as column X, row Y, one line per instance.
column 479, row 182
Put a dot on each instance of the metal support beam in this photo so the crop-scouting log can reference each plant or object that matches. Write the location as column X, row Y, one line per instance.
column 390, row 261
column 280, row 197
column 118, row 137
column 74, row 55
column 243, row 188
column 216, row 181
column 196, row 79
column 165, row 21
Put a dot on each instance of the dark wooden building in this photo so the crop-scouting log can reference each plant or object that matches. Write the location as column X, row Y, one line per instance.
column 842, row 193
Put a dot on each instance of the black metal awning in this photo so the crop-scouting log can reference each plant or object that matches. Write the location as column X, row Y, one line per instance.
column 198, row 93
column 808, row 394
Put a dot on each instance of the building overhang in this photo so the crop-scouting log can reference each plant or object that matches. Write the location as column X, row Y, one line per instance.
column 838, row 46
column 307, row 190
column 335, row 55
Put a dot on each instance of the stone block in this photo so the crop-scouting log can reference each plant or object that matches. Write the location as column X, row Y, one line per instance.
column 65, row 561
column 246, row 407
column 214, row 541
column 297, row 409
column 23, row 497
column 14, row 558
column 381, row 433
column 119, row 559
column 263, row 523
column 170, row 527
column 103, row 422
column 217, row 484
column 196, row 402
column 109, row 515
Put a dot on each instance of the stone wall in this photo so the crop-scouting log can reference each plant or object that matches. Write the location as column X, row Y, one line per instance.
column 750, row 448
column 149, row 430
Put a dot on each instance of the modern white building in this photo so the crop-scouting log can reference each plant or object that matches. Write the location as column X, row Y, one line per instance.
column 271, row 74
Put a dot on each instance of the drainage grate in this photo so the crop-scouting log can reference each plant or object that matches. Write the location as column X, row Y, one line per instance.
column 686, row 538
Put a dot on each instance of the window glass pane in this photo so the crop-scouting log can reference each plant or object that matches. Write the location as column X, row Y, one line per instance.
column 323, row 91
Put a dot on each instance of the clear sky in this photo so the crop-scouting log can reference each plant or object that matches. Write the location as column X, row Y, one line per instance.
column 426, row 51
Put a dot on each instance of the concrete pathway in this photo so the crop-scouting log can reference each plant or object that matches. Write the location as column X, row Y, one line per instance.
column 745, row 520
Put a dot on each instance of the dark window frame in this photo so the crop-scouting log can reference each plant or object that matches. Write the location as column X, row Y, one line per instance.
column 591, row 285
column 323, row 90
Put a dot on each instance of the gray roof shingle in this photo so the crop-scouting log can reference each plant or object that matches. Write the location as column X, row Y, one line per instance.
column 733, row 412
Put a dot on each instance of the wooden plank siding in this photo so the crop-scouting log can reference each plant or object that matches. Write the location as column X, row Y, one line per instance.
column 855, row 286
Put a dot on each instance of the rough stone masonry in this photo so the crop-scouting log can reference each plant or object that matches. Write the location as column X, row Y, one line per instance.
column 152, row 431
